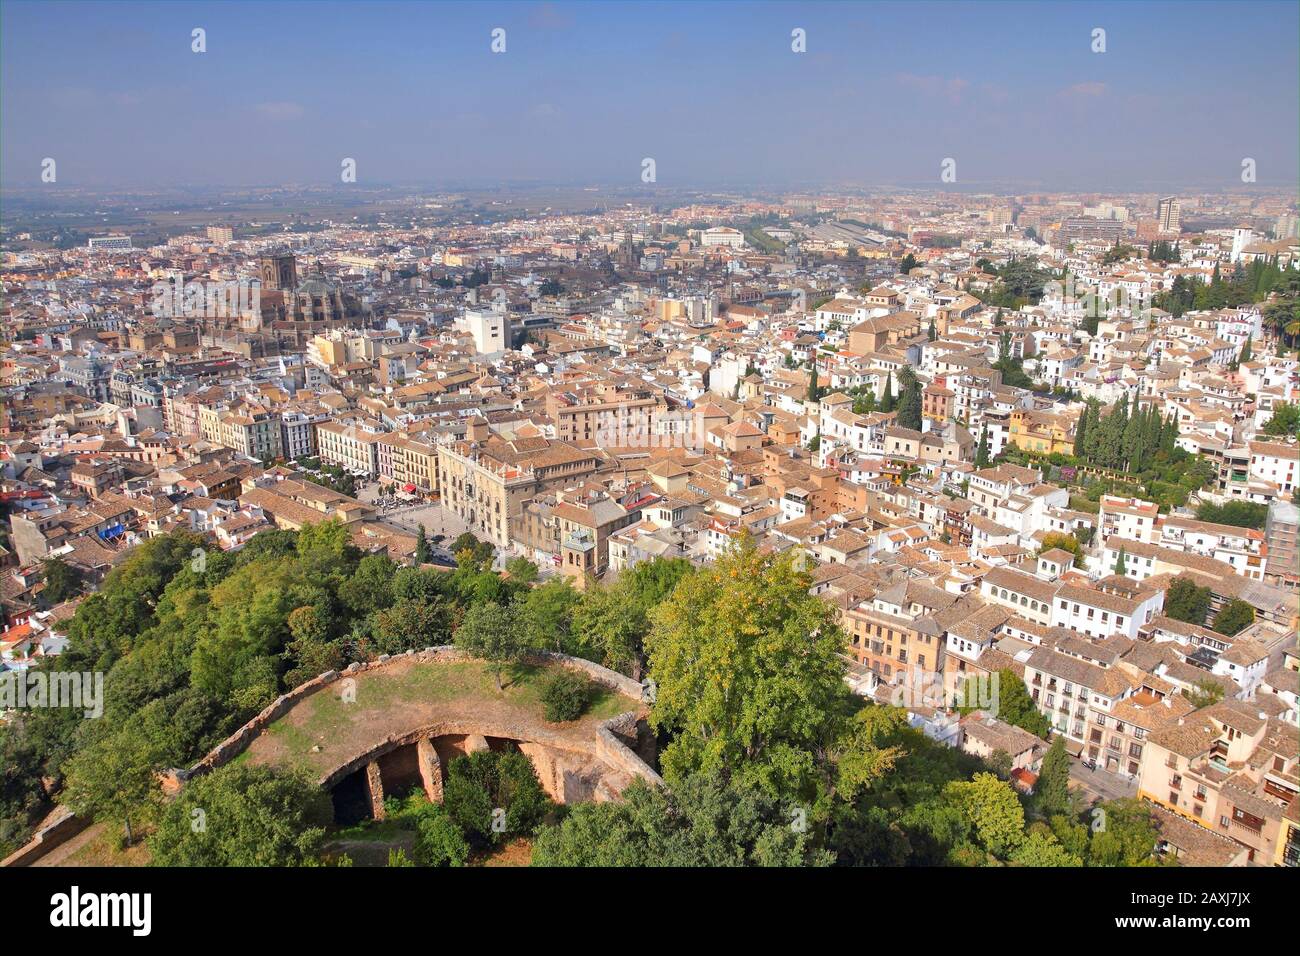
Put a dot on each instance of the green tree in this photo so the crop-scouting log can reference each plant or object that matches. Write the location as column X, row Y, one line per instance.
column 1066, row 542
column 610, row 625
column 111, row 778
column 1081, row 433
column 1053, row 789
column 1239, row 514
column 438, row 840
column 521, row 570
column 421, row 546
column 1011, row 366
column 1042, row 849
column 889, row 400
column 22, row 796
column 1233, row 617
column 62, row 581
column 410, row 625
column 704, row 821
column 481, row 785
column 480, row 553
column 546, row 614
column 491, row 631
column 243, row 815
column 370, row 587
column 1015, row 705
column 909, row 402
column 1000, row 764
column 1092, row 432
column 748, row 673
column 865, row 403
column 1120, row 566
column 311, row 649
column 1184, row 601
column 565, row 695
column 1204, row 693
column 993, row 810
column 1285, row 420
column 1126, row 834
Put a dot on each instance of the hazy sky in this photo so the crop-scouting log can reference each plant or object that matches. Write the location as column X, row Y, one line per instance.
column 711, row 91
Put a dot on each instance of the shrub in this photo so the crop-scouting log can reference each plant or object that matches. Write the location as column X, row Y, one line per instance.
column 439, row 841
column 565, row 695
column 480, row 785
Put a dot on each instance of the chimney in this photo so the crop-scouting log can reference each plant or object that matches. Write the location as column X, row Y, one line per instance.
column 1181, row 721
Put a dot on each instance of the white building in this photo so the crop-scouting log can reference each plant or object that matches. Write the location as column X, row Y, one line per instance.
column 722, row 236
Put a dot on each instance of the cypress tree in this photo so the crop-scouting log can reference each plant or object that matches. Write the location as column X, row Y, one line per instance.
column 1150, row 434
column 909, row 402
column 1092, row 441
column 1132, row 447
column 1053, row 789
column 1169, row 434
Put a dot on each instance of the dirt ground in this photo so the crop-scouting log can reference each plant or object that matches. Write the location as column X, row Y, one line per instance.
column 324, row 731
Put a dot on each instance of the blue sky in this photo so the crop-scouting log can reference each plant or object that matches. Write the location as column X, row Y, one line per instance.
column 711, row 91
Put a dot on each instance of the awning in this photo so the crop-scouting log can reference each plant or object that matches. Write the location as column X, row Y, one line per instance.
column 409, row 489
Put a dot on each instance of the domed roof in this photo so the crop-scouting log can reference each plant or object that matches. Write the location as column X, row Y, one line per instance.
column 315, row 286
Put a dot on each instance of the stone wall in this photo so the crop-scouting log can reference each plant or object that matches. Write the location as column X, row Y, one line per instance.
column 606, row 745
column 58, row 831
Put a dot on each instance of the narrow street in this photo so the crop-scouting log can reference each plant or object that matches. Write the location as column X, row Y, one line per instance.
column 1100, row 783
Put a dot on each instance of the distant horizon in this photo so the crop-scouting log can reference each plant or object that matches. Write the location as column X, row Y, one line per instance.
column 747, row 189
column 1017, row 95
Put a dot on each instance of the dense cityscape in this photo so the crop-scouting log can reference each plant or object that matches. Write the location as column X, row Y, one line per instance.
column 650, row 525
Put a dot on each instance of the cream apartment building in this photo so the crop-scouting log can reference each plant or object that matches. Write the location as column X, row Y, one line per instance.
column 351, row 447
